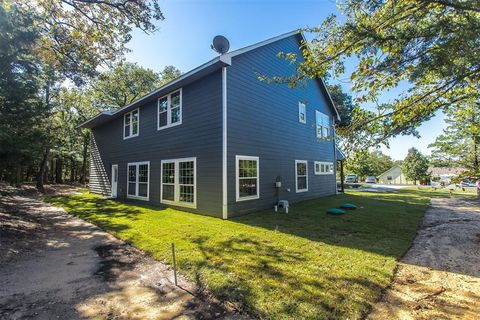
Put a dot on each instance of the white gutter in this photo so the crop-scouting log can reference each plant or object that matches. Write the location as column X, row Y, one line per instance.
column 224, row 144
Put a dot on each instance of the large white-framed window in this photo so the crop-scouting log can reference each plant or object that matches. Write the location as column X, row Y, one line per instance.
column 302, row 112
column 322, row 125
column 131, row 121
column 323, row 167
column 138, row 180
column 301, row 175
column 169, row 110
column 247, row 178
column 179, row 182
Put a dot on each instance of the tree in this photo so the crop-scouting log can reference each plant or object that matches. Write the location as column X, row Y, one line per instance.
column 168, row 74
column 415, row 166
column 460, row 142
column 369, row 163
column 433, row 45
column 127, row 82
column 78, row 36
column 123, row 84
column 344, row 104
column 22, row 113
column 75, row 38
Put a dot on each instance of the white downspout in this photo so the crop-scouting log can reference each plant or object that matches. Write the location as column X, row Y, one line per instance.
column 224, row 144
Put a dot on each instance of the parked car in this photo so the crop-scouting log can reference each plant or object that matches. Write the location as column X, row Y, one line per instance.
column 467, row 183
column 370, row 179
column 351, row 178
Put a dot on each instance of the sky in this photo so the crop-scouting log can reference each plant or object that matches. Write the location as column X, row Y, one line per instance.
column 184, row 37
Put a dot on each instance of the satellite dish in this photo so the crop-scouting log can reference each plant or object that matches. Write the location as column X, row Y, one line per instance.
column 220, row 44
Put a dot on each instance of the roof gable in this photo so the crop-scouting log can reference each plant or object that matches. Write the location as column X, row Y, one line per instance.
column 198, row 73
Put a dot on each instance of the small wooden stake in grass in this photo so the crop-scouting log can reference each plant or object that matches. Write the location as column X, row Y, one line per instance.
column 174, row 264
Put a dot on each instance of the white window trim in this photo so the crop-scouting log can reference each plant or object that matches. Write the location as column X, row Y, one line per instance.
column 324, row 163
column 131, row 127
column 299, row 118
column 296, row 175
column 177, row 184
column 137, row 164
column 169, row 111
column 237, row 178
column 320, row 114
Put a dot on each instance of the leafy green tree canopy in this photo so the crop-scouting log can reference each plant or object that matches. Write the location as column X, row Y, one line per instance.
column 343, row 102
column 78, row 36
column 415, row 165
column 432, row 44
column 127, row 82
column 22, row 112
column 459, row 144
column 368, row 163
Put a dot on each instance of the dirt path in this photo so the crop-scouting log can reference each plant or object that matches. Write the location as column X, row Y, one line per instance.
column 439, row 277
column 55, row 266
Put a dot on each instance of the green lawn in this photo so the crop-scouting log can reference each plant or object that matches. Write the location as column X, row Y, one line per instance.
column 303, row 265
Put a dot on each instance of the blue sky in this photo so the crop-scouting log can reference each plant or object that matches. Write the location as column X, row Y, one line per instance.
column 184, row 39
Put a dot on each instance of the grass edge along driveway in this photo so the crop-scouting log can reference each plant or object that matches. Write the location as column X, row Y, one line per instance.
column 303, row 265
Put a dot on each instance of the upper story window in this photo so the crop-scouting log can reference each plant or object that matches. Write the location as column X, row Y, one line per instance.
column 130, row 124
column 170, row 110
column 302, row 112
column 323, row 167
column 322, row 125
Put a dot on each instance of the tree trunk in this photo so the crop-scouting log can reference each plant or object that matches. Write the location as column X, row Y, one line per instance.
column 83, row 177
column 58, row 170
column 51, row 171
column 42, row 170
column 72, row 169
column 18, row 175
column 476, row 160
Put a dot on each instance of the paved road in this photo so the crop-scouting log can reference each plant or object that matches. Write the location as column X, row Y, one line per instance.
column 439, row 277
column 55, row 266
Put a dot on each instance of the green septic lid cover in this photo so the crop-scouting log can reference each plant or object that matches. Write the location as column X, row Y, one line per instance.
column 335, row 211
column 348, row 206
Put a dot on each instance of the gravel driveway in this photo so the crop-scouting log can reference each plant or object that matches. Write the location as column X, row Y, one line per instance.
column 55, row 266
column 439, row 277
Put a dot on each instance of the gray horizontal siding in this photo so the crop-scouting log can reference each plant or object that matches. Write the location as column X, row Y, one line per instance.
column 199, row 136
column 263, row 122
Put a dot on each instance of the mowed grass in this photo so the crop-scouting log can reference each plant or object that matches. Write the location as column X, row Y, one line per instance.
column 301, row 265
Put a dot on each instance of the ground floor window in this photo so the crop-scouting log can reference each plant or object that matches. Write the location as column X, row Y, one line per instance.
column 138, row 180
column 247, row 178
column 179, row 182
column 323, row 167
column 301, row 175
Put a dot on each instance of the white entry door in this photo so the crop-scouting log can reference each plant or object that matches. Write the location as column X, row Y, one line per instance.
column 114, row 180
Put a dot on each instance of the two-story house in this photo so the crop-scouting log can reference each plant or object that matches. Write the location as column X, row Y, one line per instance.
column 217, row 140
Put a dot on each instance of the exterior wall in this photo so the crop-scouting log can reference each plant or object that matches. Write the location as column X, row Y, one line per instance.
column 199, row 135
column 99, row 181
column 397, row 177
column 263, row 121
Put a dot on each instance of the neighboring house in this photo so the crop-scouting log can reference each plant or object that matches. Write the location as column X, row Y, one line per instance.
column 217, row 139
column 393, row 175
column 444, row 174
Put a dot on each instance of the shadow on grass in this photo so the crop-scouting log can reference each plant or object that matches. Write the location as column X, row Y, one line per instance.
column 102, row 212
column 279, row 289
column 383, row 223
column 305, row 264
